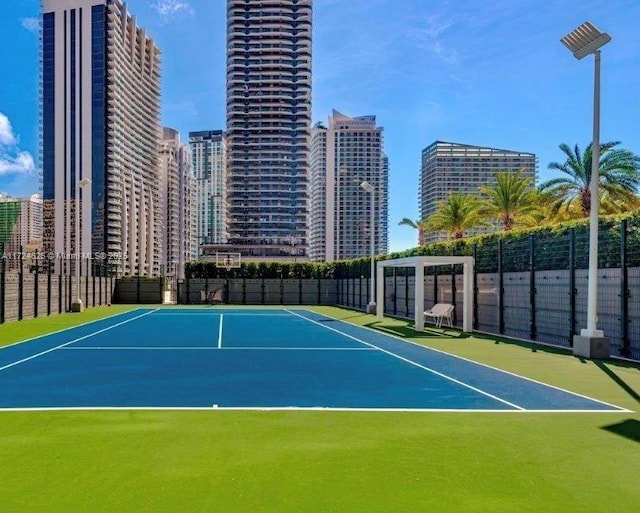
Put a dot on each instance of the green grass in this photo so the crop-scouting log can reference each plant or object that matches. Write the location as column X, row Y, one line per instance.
column 315, row 461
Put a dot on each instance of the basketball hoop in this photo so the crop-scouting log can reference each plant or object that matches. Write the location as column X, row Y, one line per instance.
column 228, row 263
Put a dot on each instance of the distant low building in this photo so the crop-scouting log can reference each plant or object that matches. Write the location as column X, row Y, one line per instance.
column 20, row 227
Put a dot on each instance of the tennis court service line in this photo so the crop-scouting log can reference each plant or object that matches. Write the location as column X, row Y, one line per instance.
column 416, row 364
column 74, row 340
column 207, row 348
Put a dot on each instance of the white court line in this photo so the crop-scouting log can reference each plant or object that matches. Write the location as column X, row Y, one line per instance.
column 480, row 363
column 161, row 313
column 475, row 389
column 69, row 328
column 206, row 348
column 220, row 332
column 292, row 409
column 74, row 340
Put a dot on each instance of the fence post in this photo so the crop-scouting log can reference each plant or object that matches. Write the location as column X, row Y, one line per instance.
column 281, row 284
column 20, row 285
column 572, row 284
column 3, row 275
column 70, row 289
column 86, row 284
column 453, row 293
column 436, row 271
column 100, row 283
column 475, row 286
column 360, row 284
column 36, row 282
column 244, row 287
column 533, row 329
column 262, row 289
column 60, row 287
column 93, row 280
column 406, row 293
column 48, row 287
column 624, row 292
column 395, row 291
column 500, row 289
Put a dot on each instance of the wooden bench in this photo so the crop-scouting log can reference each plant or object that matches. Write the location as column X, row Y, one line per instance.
column 441, row 312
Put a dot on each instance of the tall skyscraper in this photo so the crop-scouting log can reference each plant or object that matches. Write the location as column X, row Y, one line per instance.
column 453, row 167
column 268, row 124
column 177, row 204
column 100, row 133
column 209, row 160
column 347, row 153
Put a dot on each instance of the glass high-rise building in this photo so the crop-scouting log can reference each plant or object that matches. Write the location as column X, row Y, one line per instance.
column 209, row 160
column 100, row 85
column 349, row 151
column 268, row 125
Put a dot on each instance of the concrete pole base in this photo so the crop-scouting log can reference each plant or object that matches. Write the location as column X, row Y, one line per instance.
column 77, row 306
column 591, row 347
column 371, row 308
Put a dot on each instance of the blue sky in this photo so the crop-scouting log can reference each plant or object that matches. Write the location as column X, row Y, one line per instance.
column 489, row 73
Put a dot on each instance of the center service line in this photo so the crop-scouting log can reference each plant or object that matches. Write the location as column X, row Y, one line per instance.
column 220, row 332
column 77, row 340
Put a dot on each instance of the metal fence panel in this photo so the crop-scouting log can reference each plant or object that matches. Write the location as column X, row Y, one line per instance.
column 517, row 310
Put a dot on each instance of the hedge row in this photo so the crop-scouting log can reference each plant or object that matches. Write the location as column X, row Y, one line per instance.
column 551, row 246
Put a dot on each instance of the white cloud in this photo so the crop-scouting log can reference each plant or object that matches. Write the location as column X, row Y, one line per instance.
column 6, row 132
column 168, row 9
column 428, row 36
column 31, row 24
column 12, row 160
column 22, row 163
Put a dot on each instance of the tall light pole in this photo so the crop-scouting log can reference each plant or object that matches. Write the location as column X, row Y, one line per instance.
column 371, row 307
column 586, row 40
column 77, row 306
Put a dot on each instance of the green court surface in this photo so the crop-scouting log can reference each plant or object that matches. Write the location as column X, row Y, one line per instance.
column 334, row 461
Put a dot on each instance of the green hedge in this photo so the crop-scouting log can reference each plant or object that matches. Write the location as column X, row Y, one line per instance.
column 552, row 250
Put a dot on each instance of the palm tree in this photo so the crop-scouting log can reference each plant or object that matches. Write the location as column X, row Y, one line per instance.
column 619, row 177
column 456, row 214
column 418, row 225
column 512, row 199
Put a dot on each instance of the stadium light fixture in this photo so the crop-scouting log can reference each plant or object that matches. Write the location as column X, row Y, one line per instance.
column 586, row 40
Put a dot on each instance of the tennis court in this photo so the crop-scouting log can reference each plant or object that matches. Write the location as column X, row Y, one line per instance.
column 257, row 359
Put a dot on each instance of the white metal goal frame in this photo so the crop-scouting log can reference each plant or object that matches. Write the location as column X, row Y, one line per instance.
column 419, row 263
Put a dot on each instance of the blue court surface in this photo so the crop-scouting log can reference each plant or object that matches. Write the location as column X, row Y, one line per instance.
column 256, row 359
